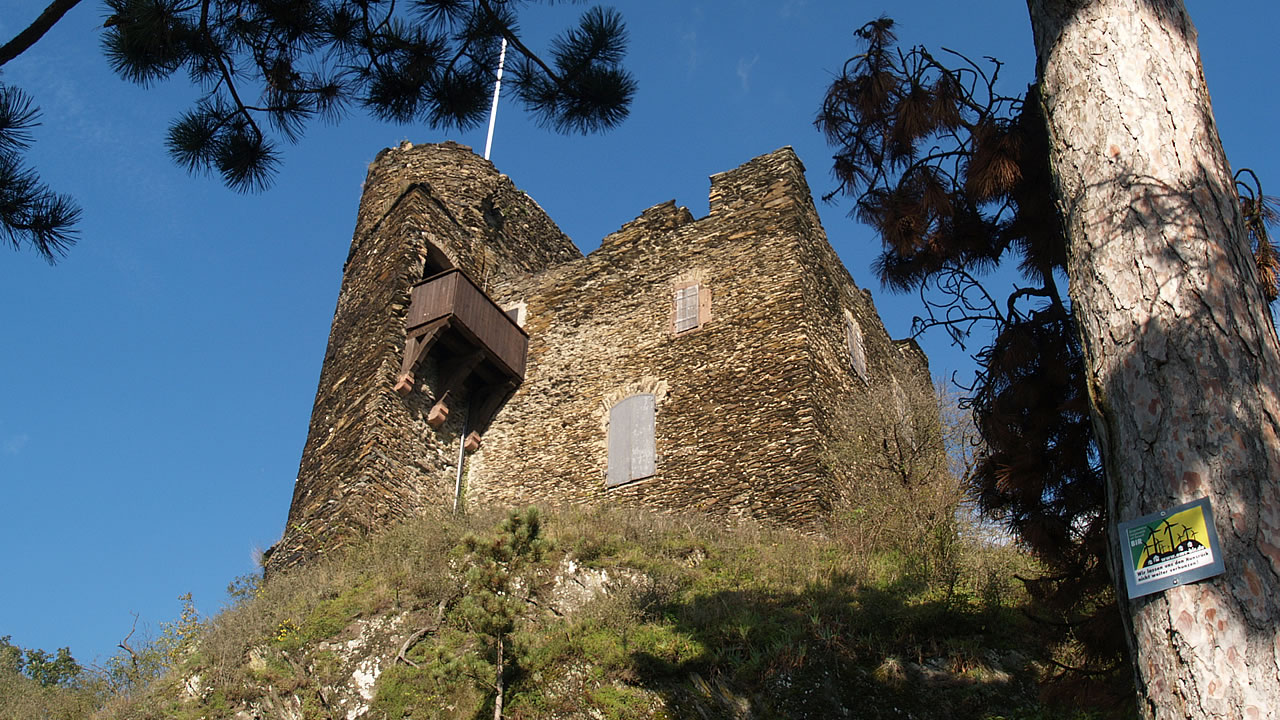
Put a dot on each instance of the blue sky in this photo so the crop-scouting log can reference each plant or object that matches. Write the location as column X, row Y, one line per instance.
column 156, row 385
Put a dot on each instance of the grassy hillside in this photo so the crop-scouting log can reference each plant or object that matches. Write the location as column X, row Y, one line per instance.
column 597, row 615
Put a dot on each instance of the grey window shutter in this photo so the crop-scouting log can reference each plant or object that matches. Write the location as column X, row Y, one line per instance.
column 686, row 300
column 619, row 445
column 643, row 454
column 857, row 351
column 632, row 453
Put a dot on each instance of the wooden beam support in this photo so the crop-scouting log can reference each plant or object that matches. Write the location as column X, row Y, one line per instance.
column 452, row 381
column 416, row 347
column 487, row 403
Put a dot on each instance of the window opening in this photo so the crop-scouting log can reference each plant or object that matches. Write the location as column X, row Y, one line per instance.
column 436, row 261
column 516, row 311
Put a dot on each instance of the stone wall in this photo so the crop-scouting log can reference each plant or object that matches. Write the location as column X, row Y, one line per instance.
column 751, row 405
column 735, row 427
column 481, row 221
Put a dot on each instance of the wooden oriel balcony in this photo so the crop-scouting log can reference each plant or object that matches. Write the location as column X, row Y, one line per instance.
column 452, row 296
column 476, row 342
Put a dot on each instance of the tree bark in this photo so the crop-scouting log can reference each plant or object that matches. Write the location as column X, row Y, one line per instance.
column 1182, row 360
column 497, row 697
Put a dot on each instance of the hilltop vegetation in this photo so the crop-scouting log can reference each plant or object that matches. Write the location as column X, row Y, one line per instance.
column 594, row 615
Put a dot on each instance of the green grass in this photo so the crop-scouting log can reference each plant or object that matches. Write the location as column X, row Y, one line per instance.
column 701, row 621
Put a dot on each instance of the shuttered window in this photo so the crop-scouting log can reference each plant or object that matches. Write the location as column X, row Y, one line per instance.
column 690, row 306
column 857, row 352
column 686, row 308
column 632, row 453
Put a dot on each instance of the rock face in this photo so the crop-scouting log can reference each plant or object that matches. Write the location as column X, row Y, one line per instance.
column 712, row 364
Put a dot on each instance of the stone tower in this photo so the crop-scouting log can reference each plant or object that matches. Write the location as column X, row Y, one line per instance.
column 711, row 364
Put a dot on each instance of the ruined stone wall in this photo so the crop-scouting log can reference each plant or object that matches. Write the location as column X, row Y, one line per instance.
column 856, row 413
column 494, row 230
column 735, row 424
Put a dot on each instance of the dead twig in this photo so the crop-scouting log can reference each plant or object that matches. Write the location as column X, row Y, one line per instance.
column 124, row 644
column 417, row 635
column 413, row 640
column 549, row 606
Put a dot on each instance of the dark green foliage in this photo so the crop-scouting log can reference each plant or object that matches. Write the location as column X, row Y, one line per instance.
column 494, row 563
column 45, row 668
column 11, row 656
column 955, row 178
column 591, row 55
column 52, row 669
column 46, row 685
column 49, row 686
column 266, row 68
column 497, row 592
column 477, row 643
column 30, row 213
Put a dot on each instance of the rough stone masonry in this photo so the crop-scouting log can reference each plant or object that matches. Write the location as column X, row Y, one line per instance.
column 715, row 365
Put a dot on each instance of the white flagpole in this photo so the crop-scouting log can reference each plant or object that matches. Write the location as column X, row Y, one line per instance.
column 497, row 87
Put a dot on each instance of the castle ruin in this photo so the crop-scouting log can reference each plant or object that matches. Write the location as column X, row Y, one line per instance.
column 712, row 365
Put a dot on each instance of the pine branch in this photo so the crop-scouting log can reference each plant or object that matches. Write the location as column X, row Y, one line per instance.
column 514, row 41
column 288, row 62
column 36, row 30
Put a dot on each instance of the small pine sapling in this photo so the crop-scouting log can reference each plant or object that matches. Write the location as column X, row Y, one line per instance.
column 498, row 582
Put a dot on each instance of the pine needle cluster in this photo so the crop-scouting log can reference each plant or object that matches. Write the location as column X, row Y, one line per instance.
column 1260, row 211
column 266, row 68
column 954, row 176
column 30, row 213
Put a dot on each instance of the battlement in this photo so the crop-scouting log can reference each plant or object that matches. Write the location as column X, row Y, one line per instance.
column 659, row 219
column 768, row 182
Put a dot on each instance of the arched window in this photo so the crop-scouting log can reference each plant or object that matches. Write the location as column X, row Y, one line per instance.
column 632, row 454
column 435, row 262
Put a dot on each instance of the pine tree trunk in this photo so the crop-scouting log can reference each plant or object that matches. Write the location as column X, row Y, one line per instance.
column 1181, row 356
column 497, row 700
